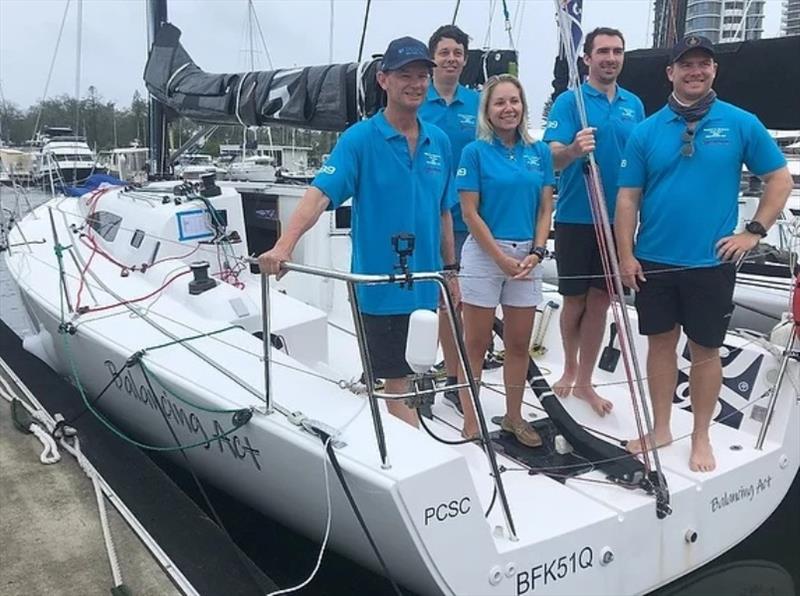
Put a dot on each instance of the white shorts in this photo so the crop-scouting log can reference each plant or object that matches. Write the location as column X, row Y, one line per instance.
column 484, row 284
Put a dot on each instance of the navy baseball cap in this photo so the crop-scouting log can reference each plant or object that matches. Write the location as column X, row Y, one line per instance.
column 405, row 50
column 691, row 42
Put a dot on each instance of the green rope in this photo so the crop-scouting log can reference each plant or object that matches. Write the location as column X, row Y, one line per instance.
column 20, row 416
column 146, row 370
column 102, row 418
column 120, row 433
column 179, row 341
column 60, row 250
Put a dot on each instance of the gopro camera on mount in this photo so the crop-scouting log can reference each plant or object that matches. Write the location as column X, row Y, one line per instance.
column 403, row 245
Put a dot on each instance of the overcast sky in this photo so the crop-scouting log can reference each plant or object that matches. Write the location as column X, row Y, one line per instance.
column 296, row 32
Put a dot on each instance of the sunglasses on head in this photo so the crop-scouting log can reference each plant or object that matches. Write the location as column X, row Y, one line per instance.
column 687, row 138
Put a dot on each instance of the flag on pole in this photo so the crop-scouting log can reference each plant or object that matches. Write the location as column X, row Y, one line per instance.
column 574, row 11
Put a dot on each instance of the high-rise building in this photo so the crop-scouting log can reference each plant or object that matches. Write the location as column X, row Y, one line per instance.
column 790, row 17
column 725, row 20
column 669, row 22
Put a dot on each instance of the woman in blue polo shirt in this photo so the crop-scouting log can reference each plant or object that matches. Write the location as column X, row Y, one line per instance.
column 505, row 182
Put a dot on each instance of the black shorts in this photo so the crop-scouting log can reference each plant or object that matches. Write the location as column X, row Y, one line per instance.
column 578, row 259
column 386, row 344
column 698, row 299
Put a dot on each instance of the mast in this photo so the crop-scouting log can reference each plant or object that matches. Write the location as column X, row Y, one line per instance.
column 157, row 120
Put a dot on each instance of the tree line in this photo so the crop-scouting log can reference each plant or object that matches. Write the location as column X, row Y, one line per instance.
column 107, row 125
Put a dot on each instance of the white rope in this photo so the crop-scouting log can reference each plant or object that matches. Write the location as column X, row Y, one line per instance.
column 40, row 427
column 111, row 550
column 43, row 427
column 50, row 454
column 327, row 533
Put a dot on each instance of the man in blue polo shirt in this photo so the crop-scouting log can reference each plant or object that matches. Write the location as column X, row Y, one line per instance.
column 453, row 108
column 612, row 114
column 397, row 170
column 680, row 174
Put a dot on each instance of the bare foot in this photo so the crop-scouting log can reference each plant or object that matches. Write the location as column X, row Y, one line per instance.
column 702, row 457
column 635, row 445
column 471, row 435
column 589, row 395
column 563, row 387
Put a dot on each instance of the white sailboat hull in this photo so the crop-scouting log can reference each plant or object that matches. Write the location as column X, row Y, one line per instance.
column 425, row 511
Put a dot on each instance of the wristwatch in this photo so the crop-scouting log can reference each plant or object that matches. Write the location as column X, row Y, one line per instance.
column 756, row 228
column 539, row 251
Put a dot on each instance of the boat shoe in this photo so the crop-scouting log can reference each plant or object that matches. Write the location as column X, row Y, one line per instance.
column 523, row 432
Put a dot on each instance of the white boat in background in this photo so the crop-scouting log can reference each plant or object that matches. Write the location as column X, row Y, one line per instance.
column 191, row 166
column 179, row 343
column 126, row 163
column 65, row 158
column 16, row 166
column 252, row 168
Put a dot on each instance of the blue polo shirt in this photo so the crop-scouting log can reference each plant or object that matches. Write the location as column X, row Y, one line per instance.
column 614, row 121
column 393, row 193
column 689, row 203
column 458, row 120
column 509, row 183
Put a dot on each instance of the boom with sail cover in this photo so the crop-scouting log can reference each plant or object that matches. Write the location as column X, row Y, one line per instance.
column 329, row 97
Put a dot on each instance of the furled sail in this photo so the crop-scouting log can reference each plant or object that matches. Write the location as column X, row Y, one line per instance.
column 329, row 97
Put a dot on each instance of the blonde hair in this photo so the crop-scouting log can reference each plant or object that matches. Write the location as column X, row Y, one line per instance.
column 485, row 130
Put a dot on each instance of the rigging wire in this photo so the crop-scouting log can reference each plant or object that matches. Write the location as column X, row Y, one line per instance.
column 507, row 24
column 519, row 19
column 455, row 12
column 50, row 72
column 614, row 285
column 78, row 49
column 487, row 41
column 330, row 31
column 261, row 35
column 364, row 31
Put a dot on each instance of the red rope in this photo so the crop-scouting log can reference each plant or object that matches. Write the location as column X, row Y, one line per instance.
column 134, row 300
column 592, row 177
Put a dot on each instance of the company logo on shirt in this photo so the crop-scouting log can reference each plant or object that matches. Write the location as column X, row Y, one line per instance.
column 433, row 160
column 327, row 170
column 716, row 135
column 551, row 124
column 466, row 119
column 627, row 113
column 532, row 161
column 461, row 172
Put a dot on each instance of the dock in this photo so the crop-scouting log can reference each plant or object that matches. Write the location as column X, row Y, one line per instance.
column 51, row 535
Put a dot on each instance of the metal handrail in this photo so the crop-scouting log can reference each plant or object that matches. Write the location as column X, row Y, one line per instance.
column 360, row 278
column 775, row 390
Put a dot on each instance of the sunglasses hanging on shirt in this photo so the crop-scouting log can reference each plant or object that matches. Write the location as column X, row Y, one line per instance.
column 687, row 138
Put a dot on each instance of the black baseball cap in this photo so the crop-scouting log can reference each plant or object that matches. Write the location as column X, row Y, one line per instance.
column 405, row 50
column 691, row 42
